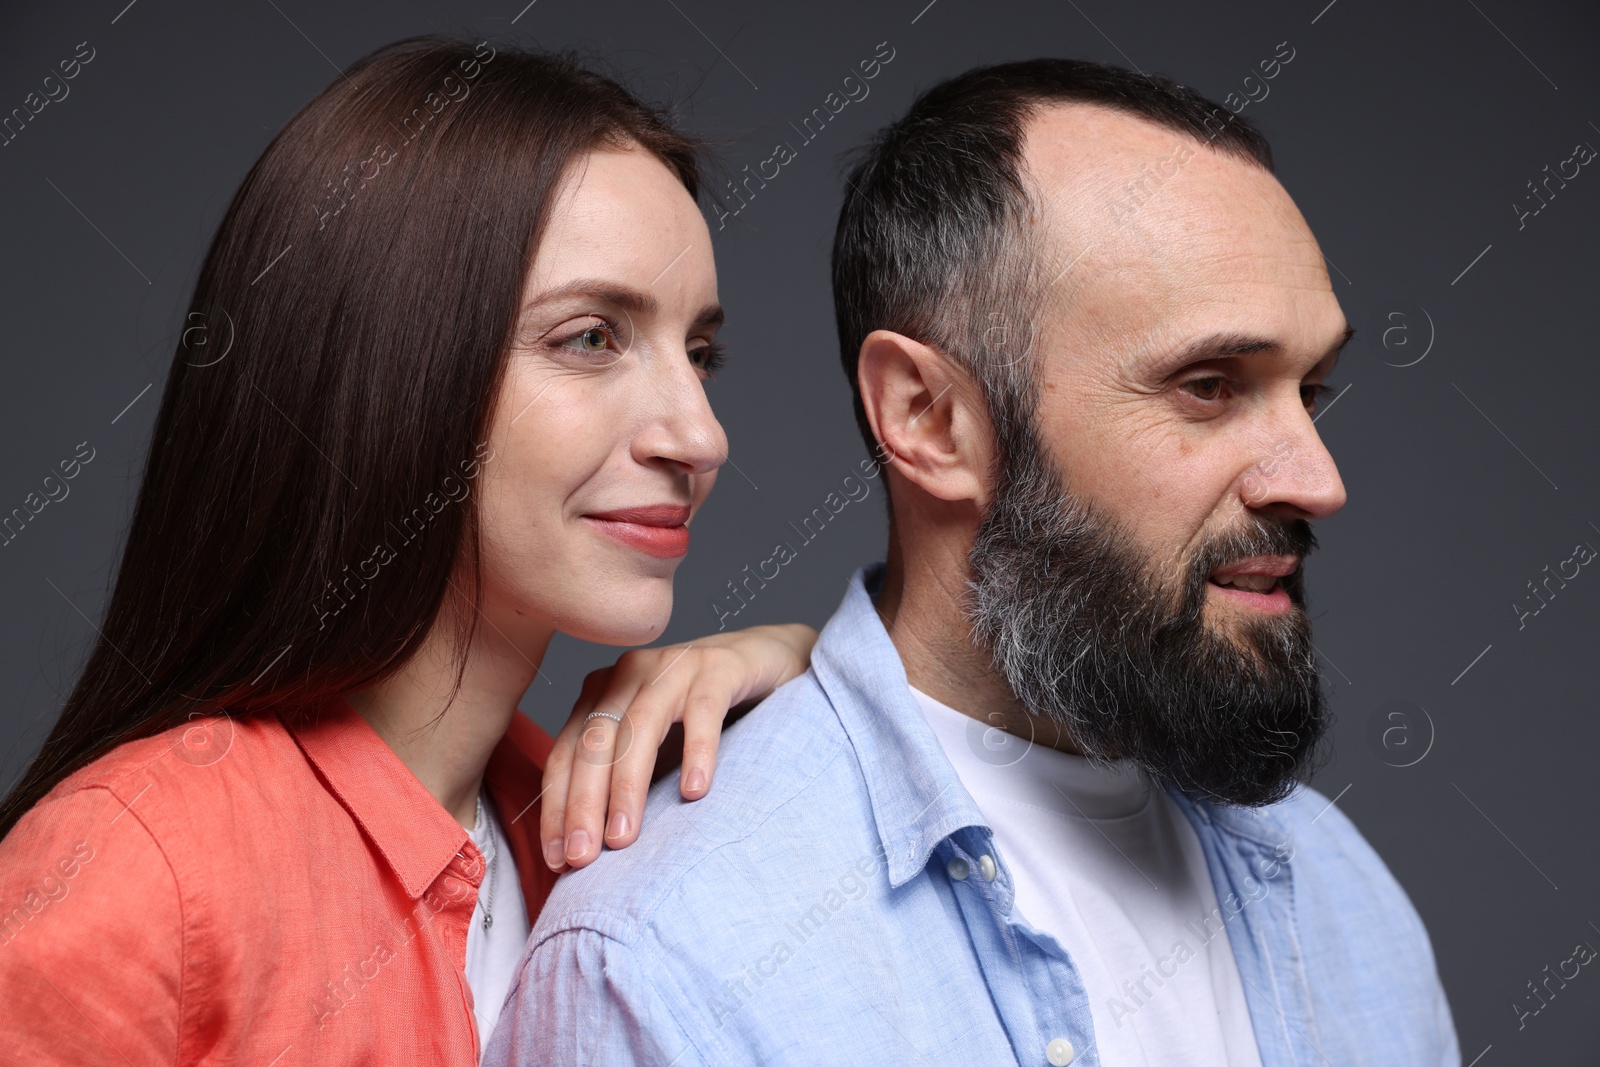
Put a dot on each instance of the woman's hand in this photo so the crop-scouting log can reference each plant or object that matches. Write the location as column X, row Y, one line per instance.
column 599, row 771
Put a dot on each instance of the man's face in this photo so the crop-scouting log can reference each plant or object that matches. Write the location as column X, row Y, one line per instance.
column 1179, row 354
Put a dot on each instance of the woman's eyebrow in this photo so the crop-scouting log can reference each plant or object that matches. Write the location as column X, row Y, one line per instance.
column 633, row 301
column 710, row 315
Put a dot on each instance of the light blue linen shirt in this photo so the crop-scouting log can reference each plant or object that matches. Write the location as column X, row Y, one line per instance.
column 837, row 898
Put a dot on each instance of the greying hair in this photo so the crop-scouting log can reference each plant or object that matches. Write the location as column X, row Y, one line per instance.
column 936, row 239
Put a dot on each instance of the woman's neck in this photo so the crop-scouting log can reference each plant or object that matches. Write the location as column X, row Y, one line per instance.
column 448, row 752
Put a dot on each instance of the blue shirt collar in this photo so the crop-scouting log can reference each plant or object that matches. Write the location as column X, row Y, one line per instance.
column 917, row 798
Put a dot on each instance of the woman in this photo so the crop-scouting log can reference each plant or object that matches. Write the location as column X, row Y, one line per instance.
column 441, row 396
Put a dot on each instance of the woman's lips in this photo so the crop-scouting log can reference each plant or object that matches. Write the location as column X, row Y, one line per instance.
column 652, row 538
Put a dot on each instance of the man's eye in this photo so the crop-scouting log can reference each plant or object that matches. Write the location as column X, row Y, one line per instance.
column 1206, row 388
column 1310, row 394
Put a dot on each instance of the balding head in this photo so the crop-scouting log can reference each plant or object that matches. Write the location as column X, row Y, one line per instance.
column 936, row 235
column 1147, row 236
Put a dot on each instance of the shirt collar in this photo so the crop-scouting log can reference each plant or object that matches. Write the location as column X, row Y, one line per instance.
column 413, row 832
column 1267, row 826
column 917, row 798
column 514, row 780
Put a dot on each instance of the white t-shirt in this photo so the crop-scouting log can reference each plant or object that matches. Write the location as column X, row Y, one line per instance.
column 492, row 954
column 1110, row 867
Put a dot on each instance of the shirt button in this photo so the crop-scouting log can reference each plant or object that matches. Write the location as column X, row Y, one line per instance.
column 470, row 866
column 987, row 869
column 1059, row 1052
column 958, row 868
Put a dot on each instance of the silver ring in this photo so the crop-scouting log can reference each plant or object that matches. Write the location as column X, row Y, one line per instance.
column 607, row 714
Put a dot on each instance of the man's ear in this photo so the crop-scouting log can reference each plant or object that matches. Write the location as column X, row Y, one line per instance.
column 928, row 415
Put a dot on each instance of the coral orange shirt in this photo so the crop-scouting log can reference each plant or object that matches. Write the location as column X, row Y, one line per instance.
column 269, row 891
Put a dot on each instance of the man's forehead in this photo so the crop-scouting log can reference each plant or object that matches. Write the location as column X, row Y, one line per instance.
column 1150, row 236
column 1077, row 135
column 1104, row 176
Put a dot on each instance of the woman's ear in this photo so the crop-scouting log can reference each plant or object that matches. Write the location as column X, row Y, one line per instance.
column 928, row 415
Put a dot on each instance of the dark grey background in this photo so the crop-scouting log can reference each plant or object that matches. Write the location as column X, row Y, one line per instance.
column 1465, row 746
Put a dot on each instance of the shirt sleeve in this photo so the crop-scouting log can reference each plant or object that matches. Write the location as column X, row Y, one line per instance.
column 581, row 998
column 91, row 937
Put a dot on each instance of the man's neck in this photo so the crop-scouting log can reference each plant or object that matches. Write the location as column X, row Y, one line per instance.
column 919, row 601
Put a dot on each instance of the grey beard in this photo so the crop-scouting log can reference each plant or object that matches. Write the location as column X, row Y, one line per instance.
column 1084, row 633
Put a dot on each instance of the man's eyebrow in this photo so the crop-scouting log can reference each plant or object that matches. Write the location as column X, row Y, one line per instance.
column 633, row 301
column 1218, row 345
column 1338, row 349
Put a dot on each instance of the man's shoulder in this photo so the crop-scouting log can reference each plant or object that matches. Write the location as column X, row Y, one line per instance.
column 1341, row 881
column 1360, row 937
column 1325, row 839
column 1307, row 830
column 1337, row 876
column 785, row 779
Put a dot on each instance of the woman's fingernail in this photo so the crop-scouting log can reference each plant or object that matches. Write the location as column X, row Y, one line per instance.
column 619, row 825
column 554, row 854
column 577, row 844
column 696, row 781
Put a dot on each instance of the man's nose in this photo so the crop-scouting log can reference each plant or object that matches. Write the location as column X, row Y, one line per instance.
column 1295, row 475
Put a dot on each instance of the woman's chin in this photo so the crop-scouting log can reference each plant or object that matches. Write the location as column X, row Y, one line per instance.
column 625, row 621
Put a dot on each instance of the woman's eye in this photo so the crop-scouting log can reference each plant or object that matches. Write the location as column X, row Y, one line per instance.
column 709, row 358
column 594, row 339
column 1206, row 388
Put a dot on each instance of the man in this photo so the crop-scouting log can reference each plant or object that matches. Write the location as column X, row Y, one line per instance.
column 1036, row 802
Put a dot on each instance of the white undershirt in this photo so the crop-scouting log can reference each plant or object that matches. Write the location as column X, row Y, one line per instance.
column 1110, row 867
column 492, row 954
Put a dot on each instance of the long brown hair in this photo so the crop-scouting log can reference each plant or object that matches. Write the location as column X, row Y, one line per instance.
column 307, row 493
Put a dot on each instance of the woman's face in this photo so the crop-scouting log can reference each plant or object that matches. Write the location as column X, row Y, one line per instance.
column 603, row 411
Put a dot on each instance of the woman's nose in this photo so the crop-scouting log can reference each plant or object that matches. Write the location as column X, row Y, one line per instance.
column 682, row 429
